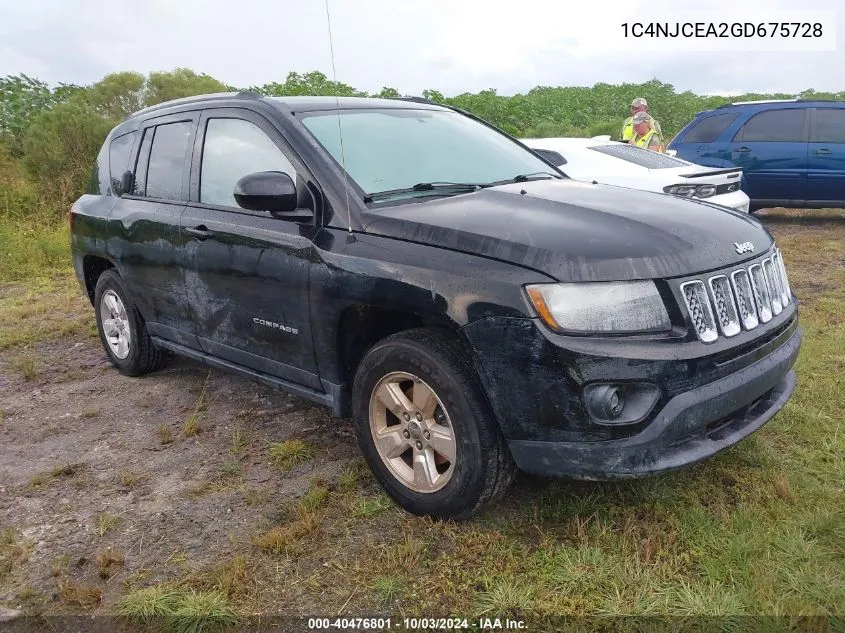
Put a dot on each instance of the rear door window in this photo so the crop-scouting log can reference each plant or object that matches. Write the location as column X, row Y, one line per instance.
column 139, row 188
column 166, row 170
column 710, row 128
column 830, row 126
column 775, row 126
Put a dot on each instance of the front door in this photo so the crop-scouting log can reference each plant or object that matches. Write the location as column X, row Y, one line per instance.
column 826, row 175
column 771, row 150
column 248, row 280
column 149, row 245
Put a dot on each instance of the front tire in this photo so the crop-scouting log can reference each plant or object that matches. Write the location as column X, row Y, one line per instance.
column 425, row 427
column 122, row 331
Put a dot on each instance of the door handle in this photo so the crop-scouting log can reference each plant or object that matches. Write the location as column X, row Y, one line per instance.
column 200, row 232
column 742, row 150
column 822, row 151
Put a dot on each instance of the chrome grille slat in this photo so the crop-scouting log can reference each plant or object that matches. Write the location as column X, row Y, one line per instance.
column 724, row 306
column 772, row 281
column 786, row 292
column 761, row 293
column 745, row 299
column 698, row 305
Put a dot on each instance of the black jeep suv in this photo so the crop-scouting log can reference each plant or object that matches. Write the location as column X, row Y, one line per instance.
column 406, row 264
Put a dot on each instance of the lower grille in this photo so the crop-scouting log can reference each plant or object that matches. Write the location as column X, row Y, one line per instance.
column 739, row 299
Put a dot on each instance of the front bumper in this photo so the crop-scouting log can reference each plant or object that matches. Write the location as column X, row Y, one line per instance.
column 692, row 426
column 713, row 395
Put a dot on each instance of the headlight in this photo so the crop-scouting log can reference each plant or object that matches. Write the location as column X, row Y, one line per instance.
column 601, row 307
column 689, row 191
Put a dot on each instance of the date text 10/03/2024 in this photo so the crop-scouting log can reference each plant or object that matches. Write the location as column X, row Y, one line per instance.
column 487, row 624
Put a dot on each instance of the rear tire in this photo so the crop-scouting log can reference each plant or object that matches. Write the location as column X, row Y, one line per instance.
column 122, row 330
column 450, row 460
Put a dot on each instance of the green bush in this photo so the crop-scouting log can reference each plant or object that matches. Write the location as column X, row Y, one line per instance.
column 60, row 147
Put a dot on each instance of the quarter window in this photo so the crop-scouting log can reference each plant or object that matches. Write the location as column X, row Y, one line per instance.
column 166, row 170
column 708, row 130
column 830, row 126
column 232, row 149
column 774, row 126
column 119, row 151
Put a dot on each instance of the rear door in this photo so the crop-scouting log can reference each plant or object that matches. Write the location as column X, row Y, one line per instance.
column 771, row 150
column 150, row 249
column 699, row 144
column 826, row 175
column 249, row 273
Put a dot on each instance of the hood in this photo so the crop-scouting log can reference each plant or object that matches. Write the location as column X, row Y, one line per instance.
column 575, row 231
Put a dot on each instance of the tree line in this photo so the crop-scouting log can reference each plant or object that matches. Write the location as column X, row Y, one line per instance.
column 50, row 135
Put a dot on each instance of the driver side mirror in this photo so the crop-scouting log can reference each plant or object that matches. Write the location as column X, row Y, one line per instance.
column 271, row 191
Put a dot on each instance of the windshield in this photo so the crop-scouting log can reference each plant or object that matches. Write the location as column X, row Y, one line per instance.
column 390, row 149
column 640, row 156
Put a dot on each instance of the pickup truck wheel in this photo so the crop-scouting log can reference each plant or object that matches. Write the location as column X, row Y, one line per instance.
column 122, row 331
column 425, row 426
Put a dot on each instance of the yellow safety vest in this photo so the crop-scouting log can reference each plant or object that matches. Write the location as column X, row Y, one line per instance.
column 628, row 128
column 645, row 139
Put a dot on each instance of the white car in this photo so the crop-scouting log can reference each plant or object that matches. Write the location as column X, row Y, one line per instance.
column 608, row 162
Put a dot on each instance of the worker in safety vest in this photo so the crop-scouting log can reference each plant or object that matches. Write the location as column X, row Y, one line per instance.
column 637, row 105
column 645, row 135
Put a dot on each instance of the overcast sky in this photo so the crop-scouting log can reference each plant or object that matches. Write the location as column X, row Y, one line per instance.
column 448, row 45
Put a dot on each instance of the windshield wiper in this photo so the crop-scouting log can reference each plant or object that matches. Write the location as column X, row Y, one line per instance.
column 439, row 187
column 537, row 175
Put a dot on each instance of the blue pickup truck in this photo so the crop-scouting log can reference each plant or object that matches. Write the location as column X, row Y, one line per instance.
column 792, row 153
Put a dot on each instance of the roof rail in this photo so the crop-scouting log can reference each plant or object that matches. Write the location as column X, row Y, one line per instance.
column 243, row 94
column 755, row 102
column 418, row 100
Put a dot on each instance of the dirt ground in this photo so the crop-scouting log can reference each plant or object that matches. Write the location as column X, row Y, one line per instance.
column 107, row 432
column 92, row 462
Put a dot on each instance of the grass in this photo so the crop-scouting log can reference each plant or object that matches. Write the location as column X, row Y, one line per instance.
column 388, row 588
column 27, row 364
column 127, row 478
column 183, row 610
column 238, row 441
column 364, row 507
column 314, row 499
column 192, row 425
column 165, row 435
column 13, row 552
column 33, row 249
column 290, row 453
column 79, row 594
column 43, row 309
column 105, row 523
column 291, row 537
column 62, row 471
column 232, row 468
column 109, row 563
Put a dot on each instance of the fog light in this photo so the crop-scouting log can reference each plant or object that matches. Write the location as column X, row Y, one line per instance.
column 621, row 403
column 605, row 402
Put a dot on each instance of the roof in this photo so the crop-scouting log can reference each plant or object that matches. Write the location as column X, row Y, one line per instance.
column 780, row 102
column 297, row 103
column 311, row 104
